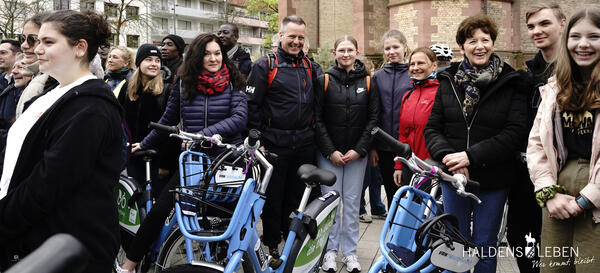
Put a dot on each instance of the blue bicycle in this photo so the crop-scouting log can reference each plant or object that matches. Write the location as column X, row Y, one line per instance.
column 416, row 235
column 309, row 229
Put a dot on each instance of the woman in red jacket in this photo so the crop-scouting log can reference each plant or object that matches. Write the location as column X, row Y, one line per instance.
column 416, row 107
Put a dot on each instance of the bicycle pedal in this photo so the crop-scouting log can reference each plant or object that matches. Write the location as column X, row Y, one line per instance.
column 275, row 263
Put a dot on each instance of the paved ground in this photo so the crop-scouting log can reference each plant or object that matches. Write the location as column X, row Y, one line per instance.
column 368, row 247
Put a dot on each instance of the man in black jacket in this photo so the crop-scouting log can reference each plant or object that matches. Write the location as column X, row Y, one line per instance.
column 229, row 34
column 281, row 99
column 545, row 23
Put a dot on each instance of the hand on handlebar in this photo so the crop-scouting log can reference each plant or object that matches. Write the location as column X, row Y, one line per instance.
column 135, row 147
column 456, row 161
column 464, row 171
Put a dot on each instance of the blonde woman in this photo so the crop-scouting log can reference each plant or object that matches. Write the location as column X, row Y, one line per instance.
column 119, row 68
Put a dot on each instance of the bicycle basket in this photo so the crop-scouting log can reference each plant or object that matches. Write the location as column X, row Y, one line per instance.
column 410, row 208
column 202, row 183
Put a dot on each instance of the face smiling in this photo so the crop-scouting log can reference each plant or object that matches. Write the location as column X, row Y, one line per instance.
column 478, row 49
column 28, row 51
column 544, row 28
column 420, row 66
column 583, row 43
column 292, row 41
column 394, row 50
column 345, row 55
column 56, row 56
column 150, row 67
column 115, row 60
column 213, row 57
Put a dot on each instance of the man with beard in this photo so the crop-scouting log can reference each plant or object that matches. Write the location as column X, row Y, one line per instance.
column 229, row 34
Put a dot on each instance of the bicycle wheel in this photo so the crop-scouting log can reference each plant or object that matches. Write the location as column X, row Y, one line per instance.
column 173, row 254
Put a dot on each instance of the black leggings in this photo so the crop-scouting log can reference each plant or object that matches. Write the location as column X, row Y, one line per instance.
column 153, row 223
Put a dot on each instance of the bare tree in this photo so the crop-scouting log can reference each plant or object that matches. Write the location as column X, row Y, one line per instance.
column 12, row 14
column 128, row 14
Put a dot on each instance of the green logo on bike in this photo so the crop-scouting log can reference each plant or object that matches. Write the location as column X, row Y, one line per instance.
column 128, row 217
column 313, row 248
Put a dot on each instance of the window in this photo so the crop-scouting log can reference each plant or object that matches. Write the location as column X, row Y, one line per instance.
column 162, row 23
column 110, row 9
column 61, row 4
column 164, row 4
column 113, row 39
column 206, row 28
column 87, row 5
column 247, row 32
column 133, row 41
column 184, row 25
column 132, row 12
column 185, row 3
column 206, row 6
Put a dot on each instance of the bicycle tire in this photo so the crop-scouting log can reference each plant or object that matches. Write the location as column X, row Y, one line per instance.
column 172, row 254
column 188, row 268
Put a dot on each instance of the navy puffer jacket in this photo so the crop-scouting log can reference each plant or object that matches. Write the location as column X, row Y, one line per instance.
column 223, row 113
column 393, row 81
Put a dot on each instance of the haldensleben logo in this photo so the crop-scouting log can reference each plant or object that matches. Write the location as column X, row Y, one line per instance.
column 530, row 247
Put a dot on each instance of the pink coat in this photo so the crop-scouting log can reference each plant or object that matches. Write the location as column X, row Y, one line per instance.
column 542, row 155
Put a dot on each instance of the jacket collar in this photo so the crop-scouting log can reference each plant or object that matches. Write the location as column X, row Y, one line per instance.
column 358, row 72
column 288, row 57
column 399, row 67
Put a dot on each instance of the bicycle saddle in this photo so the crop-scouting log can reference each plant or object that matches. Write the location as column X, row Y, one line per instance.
column 313, row 176
column 142, row 153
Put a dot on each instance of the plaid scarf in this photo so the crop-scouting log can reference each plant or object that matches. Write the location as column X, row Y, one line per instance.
column 472, row 79
column 210, row 83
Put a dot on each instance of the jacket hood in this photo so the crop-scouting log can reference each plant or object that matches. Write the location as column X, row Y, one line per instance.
column 359, row 71
column 399, row 67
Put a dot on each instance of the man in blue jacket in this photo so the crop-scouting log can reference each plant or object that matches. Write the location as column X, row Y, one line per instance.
column 280, row 104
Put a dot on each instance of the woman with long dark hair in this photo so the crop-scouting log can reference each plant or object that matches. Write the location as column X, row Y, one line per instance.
column 209, row 92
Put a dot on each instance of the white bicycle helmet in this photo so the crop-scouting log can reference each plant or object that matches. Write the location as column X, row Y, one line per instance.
column 442, row 51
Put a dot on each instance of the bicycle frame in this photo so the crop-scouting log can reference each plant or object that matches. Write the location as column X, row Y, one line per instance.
column 243, row 235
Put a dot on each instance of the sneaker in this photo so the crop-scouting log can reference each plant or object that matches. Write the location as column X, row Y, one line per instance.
column 352, row 264
column 365, row 218
column 118, row 269
column 329, row 264
column 380, row 216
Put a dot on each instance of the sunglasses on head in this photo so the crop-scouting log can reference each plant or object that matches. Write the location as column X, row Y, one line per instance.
column 31, row 39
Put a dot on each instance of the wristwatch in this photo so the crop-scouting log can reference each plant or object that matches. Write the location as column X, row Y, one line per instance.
column 583, row 202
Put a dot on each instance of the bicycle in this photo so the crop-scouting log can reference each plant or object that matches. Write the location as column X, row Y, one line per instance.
column 416, row 236
column 309, row 228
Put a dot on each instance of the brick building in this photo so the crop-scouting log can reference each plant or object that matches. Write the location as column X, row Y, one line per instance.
column 424, row 22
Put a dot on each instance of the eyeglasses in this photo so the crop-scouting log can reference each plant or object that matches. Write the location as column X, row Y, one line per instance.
column 31, row 39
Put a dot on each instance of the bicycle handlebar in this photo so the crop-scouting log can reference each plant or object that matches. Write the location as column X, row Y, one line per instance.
column 458, row 181
column 60, row 253
column 170, row 129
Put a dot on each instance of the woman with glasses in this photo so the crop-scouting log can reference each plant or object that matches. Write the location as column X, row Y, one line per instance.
column 207, row 99
column 40, row 81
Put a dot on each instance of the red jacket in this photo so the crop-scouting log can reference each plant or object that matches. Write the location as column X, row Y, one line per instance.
column 414, row 113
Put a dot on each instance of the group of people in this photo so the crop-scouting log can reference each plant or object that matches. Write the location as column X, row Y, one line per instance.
column 66, row 130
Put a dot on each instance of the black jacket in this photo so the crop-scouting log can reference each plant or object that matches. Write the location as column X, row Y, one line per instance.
column 346, row 112
column 283, row 112
column 242, row 60
column 495, row 133
column 64, row 178
column 539, row 71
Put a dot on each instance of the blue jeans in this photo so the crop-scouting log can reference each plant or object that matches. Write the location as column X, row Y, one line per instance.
column 373, row 182
column 486, row 221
